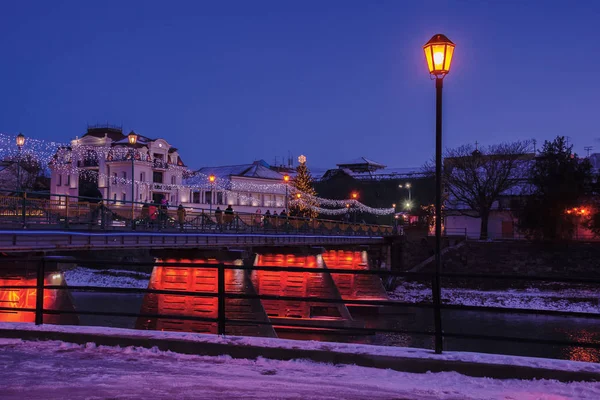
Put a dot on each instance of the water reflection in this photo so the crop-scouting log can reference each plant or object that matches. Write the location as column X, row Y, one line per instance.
column 583, row 353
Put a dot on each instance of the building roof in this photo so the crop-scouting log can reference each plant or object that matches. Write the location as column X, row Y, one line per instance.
column 111, row 131
column 381, row 174
column 258, row 169
column 361, row 164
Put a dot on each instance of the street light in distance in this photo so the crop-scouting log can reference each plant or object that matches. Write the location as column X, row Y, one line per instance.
column 20, row 142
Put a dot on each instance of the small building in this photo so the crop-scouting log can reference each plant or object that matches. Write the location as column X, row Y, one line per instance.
column 102, row 164
column 246, row 187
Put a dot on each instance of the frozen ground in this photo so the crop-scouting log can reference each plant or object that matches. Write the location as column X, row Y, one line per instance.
column 80, row 276
column 566, row 299
column 57, row 370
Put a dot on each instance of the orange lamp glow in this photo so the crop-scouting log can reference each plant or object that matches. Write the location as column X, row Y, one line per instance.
column 354, row 195
column 347, row 205
column 211, row 178
column 438, row 52
column 132, row 137
column 298, row 195
column 286, row 178
column 20, row 140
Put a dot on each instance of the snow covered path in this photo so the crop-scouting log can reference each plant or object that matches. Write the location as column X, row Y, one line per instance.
column 58, row 370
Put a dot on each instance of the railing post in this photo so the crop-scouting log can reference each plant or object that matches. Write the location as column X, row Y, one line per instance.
column 39, row 293
column 67, row 214
column 23, row 210
column 437, row 313
column 221, row 299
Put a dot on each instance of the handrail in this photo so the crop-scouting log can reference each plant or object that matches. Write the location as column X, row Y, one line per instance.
column 221, row 293
column 65, row 211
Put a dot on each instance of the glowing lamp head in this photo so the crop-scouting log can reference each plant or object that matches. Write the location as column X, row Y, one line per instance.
column 394, row 205
column 132, row 137
column 298, row 195
column 286, row 178
column 20, row 140
column 408, row 185
column 302, row 159
column 407, row 205
column 211, row 178
column 438, row 53
column 354, row 195
column 347, row 205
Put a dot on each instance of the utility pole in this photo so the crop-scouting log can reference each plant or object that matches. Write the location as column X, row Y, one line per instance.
column 588, row 148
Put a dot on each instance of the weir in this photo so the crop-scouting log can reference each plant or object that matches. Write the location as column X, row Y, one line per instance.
column 13, row 294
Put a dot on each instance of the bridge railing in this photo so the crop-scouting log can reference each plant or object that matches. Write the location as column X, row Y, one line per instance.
column 57, row 211
column 41, row 290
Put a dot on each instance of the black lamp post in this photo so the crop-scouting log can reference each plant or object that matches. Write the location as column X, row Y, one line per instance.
column 132, row 137
column 20, row 143
column 286, row 179
column 211, row 180
column 438, row 52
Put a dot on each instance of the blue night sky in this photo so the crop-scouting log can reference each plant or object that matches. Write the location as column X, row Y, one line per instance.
column 231, row 82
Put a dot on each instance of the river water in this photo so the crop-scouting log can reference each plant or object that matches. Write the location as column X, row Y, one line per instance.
column 410, row 318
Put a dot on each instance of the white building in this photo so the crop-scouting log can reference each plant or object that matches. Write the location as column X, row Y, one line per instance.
column 99, row 164
column 246, row 187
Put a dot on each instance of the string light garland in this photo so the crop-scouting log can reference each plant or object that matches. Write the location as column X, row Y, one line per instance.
column 61, row 156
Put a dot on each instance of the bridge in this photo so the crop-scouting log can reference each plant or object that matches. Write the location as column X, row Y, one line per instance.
column 40, row 224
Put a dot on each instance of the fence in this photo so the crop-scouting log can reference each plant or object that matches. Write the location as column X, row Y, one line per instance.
column 222, row 293
column 76, row 213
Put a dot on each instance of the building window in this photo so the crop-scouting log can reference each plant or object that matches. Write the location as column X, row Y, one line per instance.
column 172, row 199
column 124, row 197
column 59, row 180
column 173, row 180
column 157, row 177
column 140, row 196
column 124, row 175
column 114, row 198
column 142, row 177
column 220, row 198
column 207, row 197
column 196, row 197
column 114, row 178
column 68, row 180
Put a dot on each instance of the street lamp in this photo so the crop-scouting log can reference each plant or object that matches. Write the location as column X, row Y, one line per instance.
column 438, row 53
column 20, row 143
column 132, row 137
column 211, row 179
column 286, row 179
column 407, row 186
column 354, row 196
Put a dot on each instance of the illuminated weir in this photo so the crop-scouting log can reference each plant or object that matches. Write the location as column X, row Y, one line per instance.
column 25, row 298
column 197, row 279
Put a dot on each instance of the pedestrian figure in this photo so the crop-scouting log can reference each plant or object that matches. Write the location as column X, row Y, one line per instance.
column 228, row 215
column 219, row 216
column 181, row 216
column 153, row 214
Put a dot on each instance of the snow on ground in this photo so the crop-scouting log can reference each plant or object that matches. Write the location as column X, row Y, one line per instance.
column 366, row 349
column 567, row 299
column 58, row 370
column 80, row 276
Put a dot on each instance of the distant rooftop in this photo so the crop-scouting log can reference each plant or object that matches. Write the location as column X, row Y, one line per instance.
column 361, row 164
column 258, row 169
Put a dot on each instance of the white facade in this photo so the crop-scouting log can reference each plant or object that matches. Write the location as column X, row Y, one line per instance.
column 248, row 188
column 104, row 157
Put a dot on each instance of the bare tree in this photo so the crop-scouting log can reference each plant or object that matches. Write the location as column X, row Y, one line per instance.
column 476, row 178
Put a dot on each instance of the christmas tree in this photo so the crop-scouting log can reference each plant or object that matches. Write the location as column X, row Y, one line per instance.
column 303, row 183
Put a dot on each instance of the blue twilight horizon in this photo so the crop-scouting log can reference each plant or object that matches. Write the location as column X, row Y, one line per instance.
column 229, row 83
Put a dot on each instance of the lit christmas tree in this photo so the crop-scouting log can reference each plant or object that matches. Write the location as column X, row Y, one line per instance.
column 303, row 183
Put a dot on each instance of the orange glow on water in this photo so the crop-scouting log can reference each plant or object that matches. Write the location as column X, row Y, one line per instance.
column 351, row 286
column 23, row 298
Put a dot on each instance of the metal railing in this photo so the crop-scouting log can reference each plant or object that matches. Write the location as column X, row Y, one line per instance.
column 222, row 294
column 29, row 210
